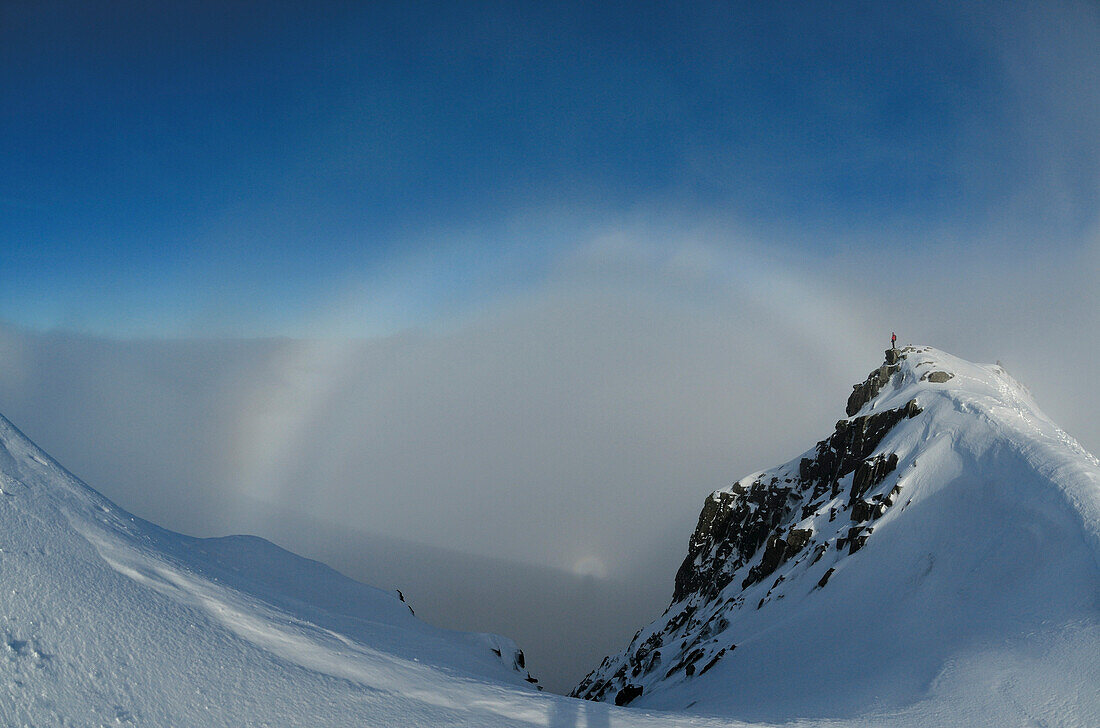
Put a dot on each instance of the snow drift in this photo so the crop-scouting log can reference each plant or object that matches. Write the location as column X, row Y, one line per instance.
column 936, row 559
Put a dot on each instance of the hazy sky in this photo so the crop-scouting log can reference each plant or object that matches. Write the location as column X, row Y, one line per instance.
column 523, row 281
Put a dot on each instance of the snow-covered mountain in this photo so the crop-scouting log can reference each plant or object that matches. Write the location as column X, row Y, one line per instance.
column 935, row 560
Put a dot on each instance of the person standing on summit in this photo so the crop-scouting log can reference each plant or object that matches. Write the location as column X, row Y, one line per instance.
column 893, row 340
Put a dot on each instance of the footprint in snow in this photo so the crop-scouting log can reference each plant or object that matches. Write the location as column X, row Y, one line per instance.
column 26, row 649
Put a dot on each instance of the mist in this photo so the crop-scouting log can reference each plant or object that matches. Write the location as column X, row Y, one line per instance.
column 535, row 468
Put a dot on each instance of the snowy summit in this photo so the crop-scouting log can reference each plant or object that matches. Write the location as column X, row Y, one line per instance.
column 933, row 561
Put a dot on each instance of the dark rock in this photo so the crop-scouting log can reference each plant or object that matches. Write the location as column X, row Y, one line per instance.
column 585, row 686
column 773, row 556
column 868, row 389
column 894, row 493
column 819, row 552
column 713, row 661
column 870, row 473
column 732, row 527
column 845, row 449
column 627, row 694
column 862, row 511
column 911, row 409
column 893, row 356
column 680, row 619
column 688, row 663
column 862, row 479
column 938, row 377
column 825, row 578
column 810, row 509
column 856, row 539
column 776, row 551
column 642, row 659
column 591, row 689
column 797, row 539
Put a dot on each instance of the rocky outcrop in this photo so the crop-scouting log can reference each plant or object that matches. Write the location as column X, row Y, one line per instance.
column 750, row 536
column 847, row 448
column 732, row 527
column 863, row 511
column 735, row 524
column 870, row 473
column 519, row 663
column 628, row 693
column 776, row 551
column 869, row 388
column 856, row 538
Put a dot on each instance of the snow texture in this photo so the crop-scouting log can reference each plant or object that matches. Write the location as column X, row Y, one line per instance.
column 973, row 602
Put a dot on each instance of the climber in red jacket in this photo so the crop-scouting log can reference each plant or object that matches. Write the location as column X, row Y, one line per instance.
column 893, row 340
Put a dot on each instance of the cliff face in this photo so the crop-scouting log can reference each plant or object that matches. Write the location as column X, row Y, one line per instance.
column 752, row 597
column 735, row 524
column 747, row 532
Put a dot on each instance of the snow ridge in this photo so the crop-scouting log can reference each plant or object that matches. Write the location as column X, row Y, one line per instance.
column 946, row 521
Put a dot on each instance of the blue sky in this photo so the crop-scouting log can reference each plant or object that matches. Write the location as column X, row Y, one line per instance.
column 222, row 168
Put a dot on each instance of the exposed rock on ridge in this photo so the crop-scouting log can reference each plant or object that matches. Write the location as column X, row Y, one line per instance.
column 799, row 512
column 869, row 388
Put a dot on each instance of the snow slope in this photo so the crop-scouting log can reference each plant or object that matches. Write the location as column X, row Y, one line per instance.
column 958, row 584
column 108, row 620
